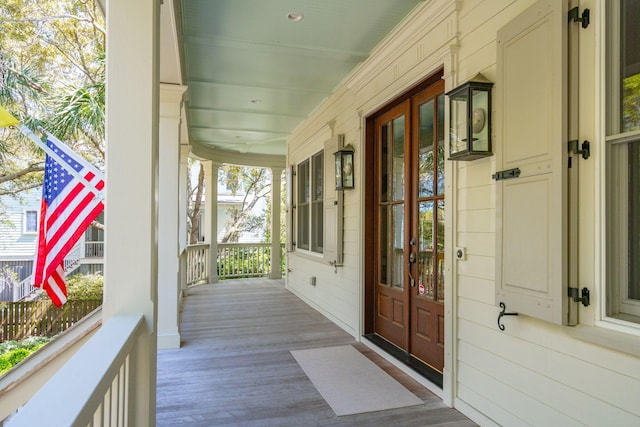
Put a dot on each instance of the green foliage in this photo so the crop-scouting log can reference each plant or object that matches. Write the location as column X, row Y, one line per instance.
column 17, row 356
column 14, row 352
column 84, row 287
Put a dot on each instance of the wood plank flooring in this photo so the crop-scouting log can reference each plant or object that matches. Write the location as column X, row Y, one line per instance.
column 234, row 367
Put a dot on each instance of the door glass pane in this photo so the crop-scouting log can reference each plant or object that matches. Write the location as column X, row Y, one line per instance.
column 397, row 247
column 440, row 251
column 440, row 139
column 425, row 156
column 383, row 250
column 384, row 162
column 398, row 158
column 425, row 248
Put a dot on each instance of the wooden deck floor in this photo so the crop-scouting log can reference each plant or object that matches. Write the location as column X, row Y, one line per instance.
column 234, row 366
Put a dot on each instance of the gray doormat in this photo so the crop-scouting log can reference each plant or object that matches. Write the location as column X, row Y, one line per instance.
column 351, row 383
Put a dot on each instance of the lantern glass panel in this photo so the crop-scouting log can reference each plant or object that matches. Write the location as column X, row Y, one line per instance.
column 459, row 128
column 479, row 120
column 347, row 170
column 338, row 171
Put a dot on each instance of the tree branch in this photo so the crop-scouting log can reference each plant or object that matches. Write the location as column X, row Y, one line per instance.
column 35, row 167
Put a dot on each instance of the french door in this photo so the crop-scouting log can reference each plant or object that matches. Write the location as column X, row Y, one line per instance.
column 408, row 201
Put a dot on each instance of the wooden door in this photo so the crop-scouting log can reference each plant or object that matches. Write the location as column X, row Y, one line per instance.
column 409, row 225
column 393, row 213
column 427, row 239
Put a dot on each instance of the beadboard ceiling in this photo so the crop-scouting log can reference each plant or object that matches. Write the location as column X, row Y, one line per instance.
column 254, row 75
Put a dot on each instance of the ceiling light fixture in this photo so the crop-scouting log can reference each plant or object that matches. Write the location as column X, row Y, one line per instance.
column 295, row 16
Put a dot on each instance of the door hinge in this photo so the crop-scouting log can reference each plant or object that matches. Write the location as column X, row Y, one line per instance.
column 506, row 174
column 584, row 149
column 583, row 298
column 574, row 16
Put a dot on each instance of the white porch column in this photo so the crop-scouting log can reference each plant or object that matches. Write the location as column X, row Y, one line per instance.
column 131, row 251
column 211, row 216
column 168, row 201
column 183, row 204
column 276, row 257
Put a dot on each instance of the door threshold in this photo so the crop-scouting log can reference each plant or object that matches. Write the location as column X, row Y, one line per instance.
column 416, row 369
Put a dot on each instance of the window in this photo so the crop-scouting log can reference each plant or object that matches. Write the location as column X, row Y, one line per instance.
column 310, row 203
column 623, row 161
column 30, row 222
column 316, row 202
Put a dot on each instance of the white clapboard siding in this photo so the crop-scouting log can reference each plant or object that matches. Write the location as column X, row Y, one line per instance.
column 14, row 244
column 534, row 372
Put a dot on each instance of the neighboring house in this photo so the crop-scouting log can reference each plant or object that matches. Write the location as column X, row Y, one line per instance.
column 19, row 221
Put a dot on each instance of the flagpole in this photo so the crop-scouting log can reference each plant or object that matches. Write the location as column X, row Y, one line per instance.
column 25, row 130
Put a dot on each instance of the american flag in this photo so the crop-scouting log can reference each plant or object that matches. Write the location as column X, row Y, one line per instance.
column 71, row 200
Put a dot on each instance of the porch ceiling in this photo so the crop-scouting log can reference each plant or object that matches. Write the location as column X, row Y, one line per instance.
column 254, row 75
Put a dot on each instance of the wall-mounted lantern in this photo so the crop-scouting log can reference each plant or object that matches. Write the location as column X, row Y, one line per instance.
column 344, row 168
column 470, row 119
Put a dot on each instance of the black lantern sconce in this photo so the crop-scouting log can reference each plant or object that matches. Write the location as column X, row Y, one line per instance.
column 344, row 168
column 470, row 119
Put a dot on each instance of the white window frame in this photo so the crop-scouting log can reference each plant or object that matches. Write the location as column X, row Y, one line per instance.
column 315, row 214
column 25, row 221
column 616, row 309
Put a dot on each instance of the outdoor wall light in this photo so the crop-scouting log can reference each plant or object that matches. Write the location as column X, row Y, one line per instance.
column 344, row 168
column 470, row 119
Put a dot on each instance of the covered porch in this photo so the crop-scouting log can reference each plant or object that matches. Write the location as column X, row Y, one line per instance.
column 234, row 366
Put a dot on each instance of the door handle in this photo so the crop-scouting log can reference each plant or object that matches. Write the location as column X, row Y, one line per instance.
column 412, row 259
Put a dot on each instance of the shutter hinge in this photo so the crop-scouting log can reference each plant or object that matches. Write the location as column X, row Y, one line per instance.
column 574, row 16
column 585, row 149
column 583, row 298
column 506, row 174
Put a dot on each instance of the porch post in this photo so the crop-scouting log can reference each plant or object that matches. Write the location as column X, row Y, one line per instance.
column 131, row 251
column 211, row 216
column 276, row 257
column 183, row 204
column 168, row 279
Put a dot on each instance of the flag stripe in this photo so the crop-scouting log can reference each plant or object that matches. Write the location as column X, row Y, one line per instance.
column 56, row 287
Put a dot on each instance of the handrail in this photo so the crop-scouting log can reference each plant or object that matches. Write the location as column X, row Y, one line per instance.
column 103, row 385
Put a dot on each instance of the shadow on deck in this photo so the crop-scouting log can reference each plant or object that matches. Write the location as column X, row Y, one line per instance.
column 235, row 365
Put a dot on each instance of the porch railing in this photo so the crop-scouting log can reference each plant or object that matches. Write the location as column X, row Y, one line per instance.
column 197, row 264
column 239, row 260
column 94, row 249
column 106, row 395
column 235, row 260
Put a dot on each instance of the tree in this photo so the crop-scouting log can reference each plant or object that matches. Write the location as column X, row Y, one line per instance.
column 194, row 194
column 52, row 71
column 253, row 184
